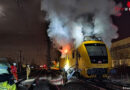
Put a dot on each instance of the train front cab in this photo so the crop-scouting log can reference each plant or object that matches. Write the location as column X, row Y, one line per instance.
column 95, row 60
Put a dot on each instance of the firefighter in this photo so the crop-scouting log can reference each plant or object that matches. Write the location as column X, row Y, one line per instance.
column 14, row 71
column 28, row 70
column 6, row 78
column 45, row 66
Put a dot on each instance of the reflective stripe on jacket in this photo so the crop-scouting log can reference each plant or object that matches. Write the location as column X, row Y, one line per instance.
column 6, row 86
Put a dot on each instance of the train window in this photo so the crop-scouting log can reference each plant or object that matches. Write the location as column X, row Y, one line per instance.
column 96, row 49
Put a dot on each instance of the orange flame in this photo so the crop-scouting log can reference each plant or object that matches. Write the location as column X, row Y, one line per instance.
column 65, row 49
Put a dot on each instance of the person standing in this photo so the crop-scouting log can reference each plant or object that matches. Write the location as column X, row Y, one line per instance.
column 28, row 70
column 14, row 71
column 6, row 80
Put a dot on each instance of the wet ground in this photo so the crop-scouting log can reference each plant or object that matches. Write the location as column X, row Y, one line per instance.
column 71, row 85
column 47, row 77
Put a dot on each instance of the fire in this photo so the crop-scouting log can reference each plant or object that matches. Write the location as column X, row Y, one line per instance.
column 65, row 49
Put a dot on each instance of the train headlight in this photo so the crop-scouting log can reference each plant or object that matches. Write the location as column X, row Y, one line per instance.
column 67, row 65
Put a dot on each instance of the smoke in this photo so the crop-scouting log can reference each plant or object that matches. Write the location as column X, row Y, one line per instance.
column 72, row 20
column 2, row 11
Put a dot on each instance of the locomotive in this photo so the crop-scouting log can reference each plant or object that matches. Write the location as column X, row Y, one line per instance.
column 90, row 60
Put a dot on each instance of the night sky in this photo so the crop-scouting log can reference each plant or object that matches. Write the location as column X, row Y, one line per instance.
column 123, row 22
column 20, row 29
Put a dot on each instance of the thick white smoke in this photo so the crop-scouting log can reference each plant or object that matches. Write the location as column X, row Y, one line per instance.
column 71, row 20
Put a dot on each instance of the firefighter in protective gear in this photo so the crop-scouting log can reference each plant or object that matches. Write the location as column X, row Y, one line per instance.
column 6, row 80
column 45, row 66
column 28, row 70
column 6, row 86
column 14, row 71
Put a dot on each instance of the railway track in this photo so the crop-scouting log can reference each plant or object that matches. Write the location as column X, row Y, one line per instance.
column 107, row 85
column 95, row 84
column 117, row 85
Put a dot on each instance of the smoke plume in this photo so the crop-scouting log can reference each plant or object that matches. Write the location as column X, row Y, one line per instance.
column 72, row 20
column 2, row 11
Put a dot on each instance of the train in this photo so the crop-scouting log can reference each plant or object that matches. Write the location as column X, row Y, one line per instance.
column 90, row 60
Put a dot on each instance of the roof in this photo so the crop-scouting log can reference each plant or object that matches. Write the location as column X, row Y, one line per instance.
column 121, row 42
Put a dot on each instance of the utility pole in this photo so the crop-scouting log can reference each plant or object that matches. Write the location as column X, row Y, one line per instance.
column 20, row 59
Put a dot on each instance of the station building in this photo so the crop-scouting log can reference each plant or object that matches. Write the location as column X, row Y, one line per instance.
column 120, row 52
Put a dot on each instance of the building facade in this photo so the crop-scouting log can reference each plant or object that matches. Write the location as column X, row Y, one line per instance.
column 120, row 52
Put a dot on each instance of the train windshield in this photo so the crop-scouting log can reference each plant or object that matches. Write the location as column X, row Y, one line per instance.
column 96, row 49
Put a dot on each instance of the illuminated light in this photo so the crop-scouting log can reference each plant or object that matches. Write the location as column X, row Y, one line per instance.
column 41, row 65
column 67, row 65
column 126, row 9
column 117, row 9
column 128, row 4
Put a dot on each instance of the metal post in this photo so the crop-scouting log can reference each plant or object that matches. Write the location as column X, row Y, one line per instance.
column 20, row 59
